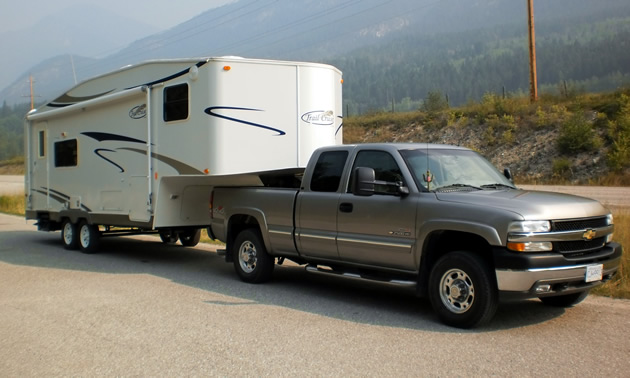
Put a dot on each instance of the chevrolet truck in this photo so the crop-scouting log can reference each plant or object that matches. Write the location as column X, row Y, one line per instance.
column 439, row 218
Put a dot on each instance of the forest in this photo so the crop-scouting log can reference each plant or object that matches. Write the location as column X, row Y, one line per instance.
column 464, row 66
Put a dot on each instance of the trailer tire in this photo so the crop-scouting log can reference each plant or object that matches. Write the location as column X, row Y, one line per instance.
column 69, row 235
column 567, row 300
column 190, row 238
column 88, row 237
column 462, row 290
column 251, row 261
column 168, row 237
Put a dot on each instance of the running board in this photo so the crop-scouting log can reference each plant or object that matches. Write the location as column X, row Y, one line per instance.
column 316, row 269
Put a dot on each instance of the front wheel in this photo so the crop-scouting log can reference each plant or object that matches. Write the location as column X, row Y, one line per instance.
column 251, row 261
column 462, row 290
column 566, row 300
column 88, row 237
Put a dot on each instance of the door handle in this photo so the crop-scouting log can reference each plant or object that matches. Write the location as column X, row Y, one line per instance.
column 345, row 207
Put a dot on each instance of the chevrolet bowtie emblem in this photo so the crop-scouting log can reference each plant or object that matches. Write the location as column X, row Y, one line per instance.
column 589, row 235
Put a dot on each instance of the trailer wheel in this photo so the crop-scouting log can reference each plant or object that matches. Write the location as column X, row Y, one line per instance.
column 190, row 238
column 462, row 290
column 69, row 235
column 88, row 237
column 251, row 260
column 566, row 300
column 168, row 237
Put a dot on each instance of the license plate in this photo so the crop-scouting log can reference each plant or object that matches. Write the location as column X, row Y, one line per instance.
column 594, row 273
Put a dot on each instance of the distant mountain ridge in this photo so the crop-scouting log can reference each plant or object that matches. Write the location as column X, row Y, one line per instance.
column 323, row 31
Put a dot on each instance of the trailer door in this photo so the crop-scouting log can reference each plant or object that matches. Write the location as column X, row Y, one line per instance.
column 37, row 185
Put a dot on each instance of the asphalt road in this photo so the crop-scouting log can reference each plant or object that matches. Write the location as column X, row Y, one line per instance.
column 140, row 308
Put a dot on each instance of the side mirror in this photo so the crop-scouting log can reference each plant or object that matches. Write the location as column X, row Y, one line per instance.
column 508, row 174
column 363, row 182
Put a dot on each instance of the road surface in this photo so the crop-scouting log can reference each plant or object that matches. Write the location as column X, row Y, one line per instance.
column 141, row 308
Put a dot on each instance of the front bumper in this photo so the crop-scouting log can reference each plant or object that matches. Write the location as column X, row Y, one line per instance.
column 523, row 275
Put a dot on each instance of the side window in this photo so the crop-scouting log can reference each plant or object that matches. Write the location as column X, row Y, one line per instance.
column 385, row 169
column 42, row 144
column 66, row 153
column 328, row 170
column 176, row 102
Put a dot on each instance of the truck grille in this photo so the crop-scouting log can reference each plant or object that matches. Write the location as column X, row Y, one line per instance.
column 578, row 224
column 579, row 249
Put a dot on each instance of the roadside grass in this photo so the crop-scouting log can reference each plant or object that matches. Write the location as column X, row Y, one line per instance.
column 12, row 204
column 619, row 287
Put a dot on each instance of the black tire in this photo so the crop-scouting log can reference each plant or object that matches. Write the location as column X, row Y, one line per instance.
column 168, row 237
column 190, row 238
column 69, row 235
column 88, row 237
column 251, row 261
column 462, row 290
column 567, row 300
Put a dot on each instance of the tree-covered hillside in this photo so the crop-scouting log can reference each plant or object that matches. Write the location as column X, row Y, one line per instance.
column 12, row 130
column 571, row 56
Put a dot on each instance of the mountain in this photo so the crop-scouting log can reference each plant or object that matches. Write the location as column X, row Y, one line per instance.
column 373, row 42
column 78, row 30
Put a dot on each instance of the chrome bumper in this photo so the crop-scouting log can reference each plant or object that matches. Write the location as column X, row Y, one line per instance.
column 528, row 280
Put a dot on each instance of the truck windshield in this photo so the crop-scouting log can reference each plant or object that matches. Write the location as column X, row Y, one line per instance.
column 453, row 170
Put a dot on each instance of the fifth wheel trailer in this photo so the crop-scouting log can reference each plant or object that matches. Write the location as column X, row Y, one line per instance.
column 139, row 149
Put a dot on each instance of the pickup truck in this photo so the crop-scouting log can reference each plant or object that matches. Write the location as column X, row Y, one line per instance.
column 439, row 218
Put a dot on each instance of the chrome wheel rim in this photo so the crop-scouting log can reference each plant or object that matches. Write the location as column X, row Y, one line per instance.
column 67, row 233
column 457, row 291
column 84, row 236
column 247, row 257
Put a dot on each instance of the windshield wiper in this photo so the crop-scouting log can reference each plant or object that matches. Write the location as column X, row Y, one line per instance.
column 456, row 186
column 497, row 186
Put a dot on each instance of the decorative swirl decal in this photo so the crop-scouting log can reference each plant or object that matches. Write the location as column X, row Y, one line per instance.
column 211, row 111
column 98, row 153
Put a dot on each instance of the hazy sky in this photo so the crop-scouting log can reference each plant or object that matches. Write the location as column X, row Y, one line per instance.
column 20, row 14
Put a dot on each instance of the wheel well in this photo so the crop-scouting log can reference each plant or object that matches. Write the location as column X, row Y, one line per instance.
column 236, row 224
column 439, row 243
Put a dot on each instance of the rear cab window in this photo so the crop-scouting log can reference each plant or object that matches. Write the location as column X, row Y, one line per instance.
column 328, row 170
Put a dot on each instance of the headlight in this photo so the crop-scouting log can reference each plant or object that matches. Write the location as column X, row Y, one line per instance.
column 609, row 219
column 530, row 226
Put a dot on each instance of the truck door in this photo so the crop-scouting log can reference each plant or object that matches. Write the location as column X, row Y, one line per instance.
column 316, row 209
column 379, row 229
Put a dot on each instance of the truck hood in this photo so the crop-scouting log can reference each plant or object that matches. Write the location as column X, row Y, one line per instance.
column 530, row 204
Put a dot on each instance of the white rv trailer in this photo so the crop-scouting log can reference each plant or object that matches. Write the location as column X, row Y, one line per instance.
column 139, row 149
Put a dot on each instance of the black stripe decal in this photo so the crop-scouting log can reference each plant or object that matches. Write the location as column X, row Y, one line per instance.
column 107, row 136
column 211, row 111
column 97, row 152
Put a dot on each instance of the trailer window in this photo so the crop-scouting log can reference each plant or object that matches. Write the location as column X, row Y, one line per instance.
column 176, row 102
column 328, row 170
column 42, row 143
column 66, row 153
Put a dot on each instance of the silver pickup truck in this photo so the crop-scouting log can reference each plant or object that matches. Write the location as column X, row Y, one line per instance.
column 440, row 218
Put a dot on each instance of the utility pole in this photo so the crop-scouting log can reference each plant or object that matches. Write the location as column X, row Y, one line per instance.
column 533, row 81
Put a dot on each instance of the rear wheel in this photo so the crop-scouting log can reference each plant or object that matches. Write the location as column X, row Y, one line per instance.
column 462, row 290
column 69, row 235
column 251, row 261
column 168, row 237
column 566, row 300
column 190, row 238
column 88, row 237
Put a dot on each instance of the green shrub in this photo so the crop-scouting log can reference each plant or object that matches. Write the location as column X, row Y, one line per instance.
column 577, row 135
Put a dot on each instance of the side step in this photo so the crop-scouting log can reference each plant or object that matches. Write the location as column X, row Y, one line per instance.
column 325, row 271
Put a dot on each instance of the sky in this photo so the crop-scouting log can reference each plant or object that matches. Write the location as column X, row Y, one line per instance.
column 163, row 14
